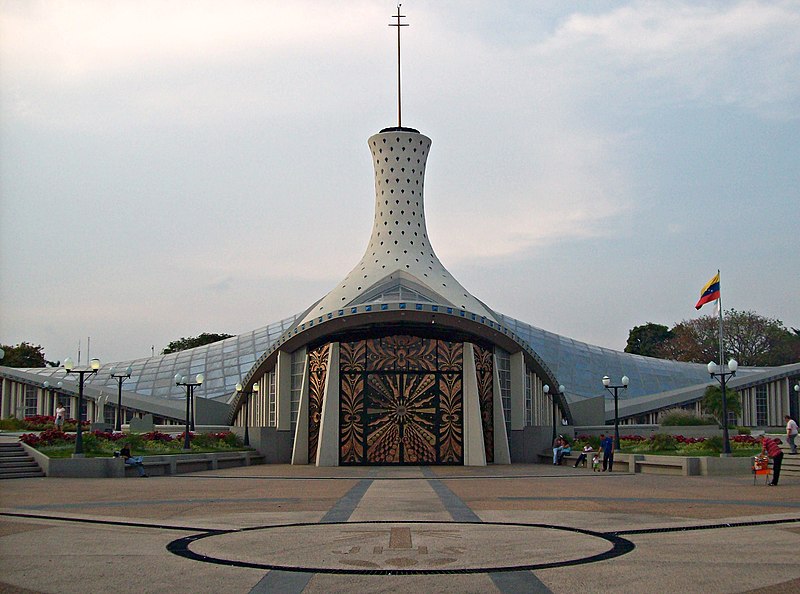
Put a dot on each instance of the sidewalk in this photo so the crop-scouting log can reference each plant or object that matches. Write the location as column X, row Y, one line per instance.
column 519, row 528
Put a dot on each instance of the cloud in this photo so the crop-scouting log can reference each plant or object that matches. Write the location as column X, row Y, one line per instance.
column 180, row 61
column 579, row 103
column 744, row 53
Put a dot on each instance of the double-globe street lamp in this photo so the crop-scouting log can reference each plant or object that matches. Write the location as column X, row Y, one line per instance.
column 69, row 367
column 622, row 386
column 246, row 395
column 546, row 390
column 718, row 373
column 797, row 396
column 797, row 401
column 120, row 377
column 183, row 380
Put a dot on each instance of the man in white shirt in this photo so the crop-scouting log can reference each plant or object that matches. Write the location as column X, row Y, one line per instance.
column 791, row 433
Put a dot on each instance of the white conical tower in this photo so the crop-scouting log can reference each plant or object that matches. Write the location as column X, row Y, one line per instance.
column 399, row 263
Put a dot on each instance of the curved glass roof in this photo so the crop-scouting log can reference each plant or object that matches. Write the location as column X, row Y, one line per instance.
column 578, row 366
column 223, row 363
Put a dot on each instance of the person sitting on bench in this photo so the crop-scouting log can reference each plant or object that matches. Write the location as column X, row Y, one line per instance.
column 582, row 458
column 135, row 461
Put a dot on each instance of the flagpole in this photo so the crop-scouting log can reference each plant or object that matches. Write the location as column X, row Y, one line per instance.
column 719, row 305
column 726, row 444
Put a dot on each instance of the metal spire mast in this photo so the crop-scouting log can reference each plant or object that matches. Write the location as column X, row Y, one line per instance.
column 398, row 24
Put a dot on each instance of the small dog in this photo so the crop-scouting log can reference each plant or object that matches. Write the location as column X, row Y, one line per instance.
column 596, row 463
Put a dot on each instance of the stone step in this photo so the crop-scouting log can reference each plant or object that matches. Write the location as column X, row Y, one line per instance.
column 22, row 474
column 14, row 455
column 19, row 463
column 16, row 463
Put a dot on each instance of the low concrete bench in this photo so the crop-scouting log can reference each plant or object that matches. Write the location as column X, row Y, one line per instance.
column 622, row 462
column 184, row 463
column 670, row 465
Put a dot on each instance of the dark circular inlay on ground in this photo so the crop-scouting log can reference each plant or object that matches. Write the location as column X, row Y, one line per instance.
column 401, row 548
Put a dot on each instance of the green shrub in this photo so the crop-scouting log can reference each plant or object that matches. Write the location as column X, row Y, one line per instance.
column 216, row 440
column 679, row 417
column 663, row 441
column 743, row 430
column 639, row 447
column 11, row 424
column 89, row 441
column 700, row 448
column 714, row 443
column 134, row 440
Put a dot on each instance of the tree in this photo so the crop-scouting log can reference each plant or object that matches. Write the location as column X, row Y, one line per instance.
column 694, row 341
column 755, row 340
column 712, row 402
column 751, row 339
column 787, row 350
column 193, row 342
column 646, row 339
column 25, row 355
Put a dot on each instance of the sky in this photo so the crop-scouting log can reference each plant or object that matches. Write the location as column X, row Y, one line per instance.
column 173, row 168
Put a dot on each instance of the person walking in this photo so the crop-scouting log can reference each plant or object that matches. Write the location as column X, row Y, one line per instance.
column 791, row 433
column 61, row 414
column 607, row 445
column 771, row 447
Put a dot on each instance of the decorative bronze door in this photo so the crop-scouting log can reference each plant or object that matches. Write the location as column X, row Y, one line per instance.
column 401, row 401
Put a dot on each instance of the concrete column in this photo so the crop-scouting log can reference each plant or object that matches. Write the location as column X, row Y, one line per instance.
column 474, row 452
column 328, row 442
column 5, row 396
column 502, row 453
column 517, row 391
column 19, row 402
column 283, row 388
column 300, row 448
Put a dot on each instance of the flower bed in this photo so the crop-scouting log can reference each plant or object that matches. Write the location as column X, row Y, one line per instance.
column 39, row 423
column 676, row 445
column 57, row 444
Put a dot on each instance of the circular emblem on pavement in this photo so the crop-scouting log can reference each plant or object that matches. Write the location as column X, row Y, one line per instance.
column 402, row 547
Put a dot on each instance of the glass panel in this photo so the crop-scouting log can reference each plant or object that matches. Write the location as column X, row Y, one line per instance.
column 504, row 372
column 761, row 405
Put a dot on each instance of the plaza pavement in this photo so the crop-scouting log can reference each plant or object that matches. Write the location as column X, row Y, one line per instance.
column 519, row 528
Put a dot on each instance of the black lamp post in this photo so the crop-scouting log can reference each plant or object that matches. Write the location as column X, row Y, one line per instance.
column 623, row 386
column 53, row 392
column 182, row 380
column 120, row 377
column 546, row 390
column 718, row 373
column 69, row 367
column 246, row 395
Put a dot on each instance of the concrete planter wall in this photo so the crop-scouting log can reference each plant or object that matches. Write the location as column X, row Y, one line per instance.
column 154, row 465
column 77, row 467
column 649, row 430
column 683, row 465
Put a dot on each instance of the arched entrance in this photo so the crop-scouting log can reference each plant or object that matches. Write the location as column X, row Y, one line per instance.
column 402, row 401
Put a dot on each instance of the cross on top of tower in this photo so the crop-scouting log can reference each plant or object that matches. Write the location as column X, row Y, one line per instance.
column 398, row 24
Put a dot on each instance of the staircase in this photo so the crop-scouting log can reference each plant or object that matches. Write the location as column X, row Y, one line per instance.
column 16, row 463
column 791, row 464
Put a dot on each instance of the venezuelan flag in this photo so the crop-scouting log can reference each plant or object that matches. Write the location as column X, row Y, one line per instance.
column 710, row 292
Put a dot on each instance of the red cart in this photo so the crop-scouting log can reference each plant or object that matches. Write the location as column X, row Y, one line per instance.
column 761, row 466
